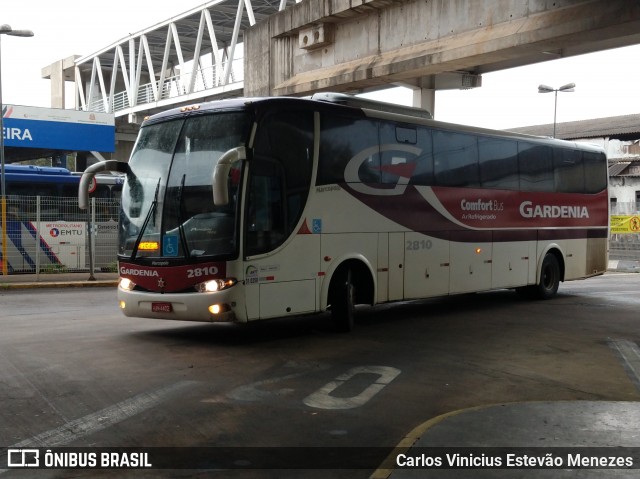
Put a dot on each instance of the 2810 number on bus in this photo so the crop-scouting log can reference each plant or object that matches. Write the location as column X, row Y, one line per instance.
column 417, row 245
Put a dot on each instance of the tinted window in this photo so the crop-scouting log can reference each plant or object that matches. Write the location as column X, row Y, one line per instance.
column 498, row 163
column 287, row 138
column 455, row 159
column 568, row 170
column 535, row 164
column 266, row 221
column 341, row 139
column 595, row 172
column 411, row 159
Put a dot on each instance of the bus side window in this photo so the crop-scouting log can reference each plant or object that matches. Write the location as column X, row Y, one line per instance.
column 568, row 170
column 535, row 164
column 455, row 159
column 595, row 172
column 498, row 163
column 414, row 149
column 341, row 139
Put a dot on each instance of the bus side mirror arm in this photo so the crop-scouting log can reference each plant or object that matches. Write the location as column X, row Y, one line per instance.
column 221, row 174
column 89, row 174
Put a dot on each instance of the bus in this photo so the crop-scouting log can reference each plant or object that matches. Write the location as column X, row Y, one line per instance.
column 249, row 209
column 55, row 182
column 41, row 202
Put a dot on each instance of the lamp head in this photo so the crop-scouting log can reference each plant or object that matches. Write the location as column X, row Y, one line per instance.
column 7, row 30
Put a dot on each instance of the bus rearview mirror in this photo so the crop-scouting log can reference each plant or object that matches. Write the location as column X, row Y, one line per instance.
column 221, row 174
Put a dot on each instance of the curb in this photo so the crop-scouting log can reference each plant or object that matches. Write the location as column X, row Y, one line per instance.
column 624, row 266
column 59, row 284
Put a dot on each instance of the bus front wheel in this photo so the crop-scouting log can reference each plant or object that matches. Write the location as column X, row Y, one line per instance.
column 343, row 295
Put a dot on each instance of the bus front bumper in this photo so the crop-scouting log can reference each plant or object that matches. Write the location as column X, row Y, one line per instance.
column 206, row 307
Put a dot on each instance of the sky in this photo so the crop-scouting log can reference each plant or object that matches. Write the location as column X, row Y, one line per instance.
column 607, row 83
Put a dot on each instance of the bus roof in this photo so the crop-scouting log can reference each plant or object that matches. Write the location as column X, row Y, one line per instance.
column 36, row 170
column 367, row 107
column 39, row 174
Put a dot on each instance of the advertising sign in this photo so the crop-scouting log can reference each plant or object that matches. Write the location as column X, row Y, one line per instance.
column 72, row 130
column 66, row 240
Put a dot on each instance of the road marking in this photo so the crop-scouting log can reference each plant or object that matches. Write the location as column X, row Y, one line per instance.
column 629, row 354
column 252, row 392
column 78, row 428
column 255, row 391
column 322, row 398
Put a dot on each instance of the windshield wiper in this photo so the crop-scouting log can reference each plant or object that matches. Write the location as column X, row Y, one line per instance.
column 150, row 214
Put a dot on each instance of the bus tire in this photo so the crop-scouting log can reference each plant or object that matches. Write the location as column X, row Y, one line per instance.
column 343, row 294
column 549, row 277
column 549, row 282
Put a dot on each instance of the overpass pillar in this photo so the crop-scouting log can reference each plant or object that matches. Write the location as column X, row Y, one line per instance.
column 425, row 98
column 424, row 88
column 59, row 73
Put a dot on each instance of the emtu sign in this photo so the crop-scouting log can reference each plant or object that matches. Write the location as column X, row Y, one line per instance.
column 57, row 129
column 66, row 240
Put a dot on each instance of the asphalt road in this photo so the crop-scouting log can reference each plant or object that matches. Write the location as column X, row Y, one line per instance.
column 75, row 373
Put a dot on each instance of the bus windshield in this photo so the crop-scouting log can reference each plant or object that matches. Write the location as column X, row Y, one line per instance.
column 168, row 208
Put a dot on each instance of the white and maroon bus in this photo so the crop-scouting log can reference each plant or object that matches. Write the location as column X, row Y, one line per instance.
column 249, row 209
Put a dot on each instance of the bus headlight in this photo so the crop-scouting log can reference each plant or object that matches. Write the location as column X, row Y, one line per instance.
column 127, row 284
column 214, row 285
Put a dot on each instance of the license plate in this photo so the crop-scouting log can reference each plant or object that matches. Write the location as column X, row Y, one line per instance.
column 161, row 307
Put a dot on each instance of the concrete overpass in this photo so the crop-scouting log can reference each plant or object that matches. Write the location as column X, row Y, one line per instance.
column 359, row 45
column 230, row 48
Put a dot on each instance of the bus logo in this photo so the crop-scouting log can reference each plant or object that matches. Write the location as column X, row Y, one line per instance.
column 404, row 171
column 530, row 210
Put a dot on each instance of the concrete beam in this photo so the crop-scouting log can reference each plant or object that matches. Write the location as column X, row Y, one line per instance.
column 59, row 73
column 378, row 42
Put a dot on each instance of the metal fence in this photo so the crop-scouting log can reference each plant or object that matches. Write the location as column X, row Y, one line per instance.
column 624, row 241
column 52, row 235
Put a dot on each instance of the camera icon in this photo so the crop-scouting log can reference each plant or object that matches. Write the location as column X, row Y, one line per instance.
column 23, row 458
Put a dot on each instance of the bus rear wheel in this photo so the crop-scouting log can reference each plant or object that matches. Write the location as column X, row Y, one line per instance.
column 549, row 282
column 343, row 294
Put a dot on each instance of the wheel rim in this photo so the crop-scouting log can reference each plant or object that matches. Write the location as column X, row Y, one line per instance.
column 549, row 278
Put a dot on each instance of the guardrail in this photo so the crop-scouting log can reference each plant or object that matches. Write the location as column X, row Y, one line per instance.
column 206, row 78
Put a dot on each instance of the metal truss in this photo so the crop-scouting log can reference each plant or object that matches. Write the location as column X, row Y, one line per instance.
column 194, row 56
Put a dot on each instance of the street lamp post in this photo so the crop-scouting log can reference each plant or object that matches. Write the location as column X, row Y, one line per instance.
column 569, row 87
column 5, row 30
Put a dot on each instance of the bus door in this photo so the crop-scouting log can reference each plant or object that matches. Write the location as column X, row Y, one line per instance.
column 283, row 283
column 281, row 267
column 282, row 259
column 396, row 266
